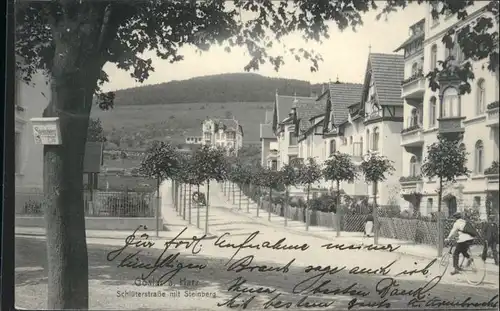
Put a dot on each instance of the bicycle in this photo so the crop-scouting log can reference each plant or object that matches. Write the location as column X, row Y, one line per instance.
column 474, row 273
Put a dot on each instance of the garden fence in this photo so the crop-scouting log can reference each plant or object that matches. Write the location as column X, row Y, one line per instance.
column 96, row 203
column 421, row 230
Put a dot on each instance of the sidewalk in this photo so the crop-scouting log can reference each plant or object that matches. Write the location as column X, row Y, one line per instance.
column 117, row 234
column 328, row 234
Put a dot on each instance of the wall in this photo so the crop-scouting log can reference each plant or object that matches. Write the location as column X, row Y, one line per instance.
column 466, row 189
column 96, row 223
column 33, row 98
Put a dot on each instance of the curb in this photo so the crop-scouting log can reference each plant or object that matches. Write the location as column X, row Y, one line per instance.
column 154, row 238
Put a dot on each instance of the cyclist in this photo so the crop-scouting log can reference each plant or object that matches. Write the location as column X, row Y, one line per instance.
column 464, row 242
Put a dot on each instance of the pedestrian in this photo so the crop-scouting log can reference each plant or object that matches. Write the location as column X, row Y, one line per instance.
column 369, row 225
column 490, row 235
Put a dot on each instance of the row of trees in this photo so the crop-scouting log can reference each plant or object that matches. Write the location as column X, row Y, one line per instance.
column 446, row 159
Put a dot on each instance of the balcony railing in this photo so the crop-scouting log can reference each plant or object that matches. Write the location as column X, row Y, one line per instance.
column 451, row 125
column 412, row 136
column 414, row 86
column 492, row 112
column 411, row 184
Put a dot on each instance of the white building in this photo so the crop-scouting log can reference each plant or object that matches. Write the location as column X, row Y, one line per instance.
column 428, row 113
column 226, row 133
column 280, row 147
column 367, row 118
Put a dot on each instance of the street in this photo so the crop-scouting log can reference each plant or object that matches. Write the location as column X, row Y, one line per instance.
column 259, row 278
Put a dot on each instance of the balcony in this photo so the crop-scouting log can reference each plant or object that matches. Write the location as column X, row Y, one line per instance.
column 273, row 154
column 492, row 113
column 411, row 185
column 413, row 87
column 491, row 174
column 293, row 150
column 412, row 136
column 451, row 125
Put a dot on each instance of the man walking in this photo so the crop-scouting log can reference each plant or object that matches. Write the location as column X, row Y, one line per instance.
column 490, row 235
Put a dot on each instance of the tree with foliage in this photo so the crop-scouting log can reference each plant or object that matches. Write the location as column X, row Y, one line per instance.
column 446, row 159
column 309, row 174
column 290, row 177
column 72, row 41
column 95, row 132
column 211, row 164
column 339, row 168
column 269, row 179
column 375, row 168
column 161, row 161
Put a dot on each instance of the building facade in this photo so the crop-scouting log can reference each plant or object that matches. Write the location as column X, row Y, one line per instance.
column 474, row 116
column 367, row 119
column 225, row 133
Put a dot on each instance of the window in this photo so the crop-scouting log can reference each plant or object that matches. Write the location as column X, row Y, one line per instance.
column 450, row 106
column 481, row 97
column 361, row 145
column 430, row 202
column 368, row 140
column 479, row 157
column 476, row 203
column 414, row 117
column 375, row 138
column 18, row 155
column 435, row 6
column 292, row 139
column 414, row 167
column 433, row 57
column 333, row 146
column 432, row 112
column 350, row 140
column 414, row 69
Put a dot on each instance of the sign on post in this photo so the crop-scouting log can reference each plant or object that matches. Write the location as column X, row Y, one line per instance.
column 46, row 131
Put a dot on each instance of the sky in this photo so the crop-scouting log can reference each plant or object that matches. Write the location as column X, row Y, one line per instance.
column 344, row 55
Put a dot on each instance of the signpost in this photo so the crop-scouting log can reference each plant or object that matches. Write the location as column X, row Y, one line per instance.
column 46, row 131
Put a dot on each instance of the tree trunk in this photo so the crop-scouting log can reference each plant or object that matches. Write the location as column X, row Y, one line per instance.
column 207, row 205
column 248, row 198
column 440, row 220
column 157, row 210
column 270, row 203
column 285, row 212
column 198, row 209
column 234, row 196
column 337, row 210
column 239, row 202
column 259, row 200
column 72, row 88
column 375, row 215
column 190, row 200
column 308, row 207
column 183, row 212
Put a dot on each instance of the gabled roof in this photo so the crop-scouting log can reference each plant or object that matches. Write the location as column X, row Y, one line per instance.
column 266, row 131
column 307, row 110
column 387, row 73
column 343, row 95
column 286, row 103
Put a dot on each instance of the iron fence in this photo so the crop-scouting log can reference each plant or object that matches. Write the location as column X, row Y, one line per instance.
column 96, row 204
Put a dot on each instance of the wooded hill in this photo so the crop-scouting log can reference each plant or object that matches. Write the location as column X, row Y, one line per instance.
column 223, row 88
